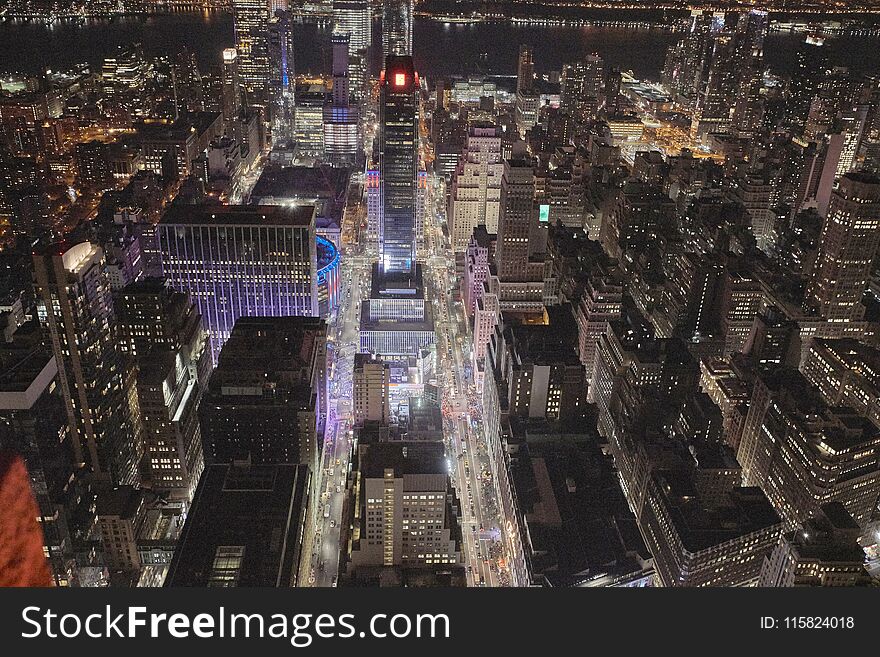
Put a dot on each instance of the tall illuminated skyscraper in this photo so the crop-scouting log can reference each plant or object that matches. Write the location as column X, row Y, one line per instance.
column 98, row 382
column 231, row 93
column 528, row 100
column 397, row 17
column 282, row 80
column 811, row 64
column 353, row 17
column 847, row 248
column 251, row 25
column 398, row 164
column 395, row 320
column 341, row 125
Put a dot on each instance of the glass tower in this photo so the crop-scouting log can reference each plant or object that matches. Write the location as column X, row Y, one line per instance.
column 398, row 164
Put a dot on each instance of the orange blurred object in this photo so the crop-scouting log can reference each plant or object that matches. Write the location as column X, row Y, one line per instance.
column 22, row 561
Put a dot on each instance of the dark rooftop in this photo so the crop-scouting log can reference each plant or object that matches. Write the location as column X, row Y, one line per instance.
column 255, row 215
column 253, row 514
column 404, row 457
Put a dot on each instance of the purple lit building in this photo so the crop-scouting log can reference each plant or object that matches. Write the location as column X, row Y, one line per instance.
column 238, row 261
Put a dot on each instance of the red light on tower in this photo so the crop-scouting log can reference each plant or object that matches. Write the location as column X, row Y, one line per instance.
column 400, row 79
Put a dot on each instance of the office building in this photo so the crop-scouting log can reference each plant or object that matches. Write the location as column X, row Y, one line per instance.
column 697, row 540
column 311, row 97
column 804, row 453
column 846, row 373
column 323, row 186
column 282, row 79
column 478, row 256
column 172, row 149
column 823, row 552
column 583, row 88
column 237, row 261
column 93, row 165
column 544, row 376
column 162, row 329
column 397, row 25
column 251, row 27
column 231, row 94
column 521, row 275
column 267, row 397
column 121, row 513
column 475, row 195
column 342, row 141
column 395, row 320
column 371, row 390
column 398, row 164
column 601, row 304
column 98, row 381
column 406, row 515
column 811, row 65
column 850, row 240
column 354, row 18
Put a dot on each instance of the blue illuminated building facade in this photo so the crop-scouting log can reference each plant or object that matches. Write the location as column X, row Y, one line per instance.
column 328, row 276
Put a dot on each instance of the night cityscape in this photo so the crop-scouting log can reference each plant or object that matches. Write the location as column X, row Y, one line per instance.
column 384, row 293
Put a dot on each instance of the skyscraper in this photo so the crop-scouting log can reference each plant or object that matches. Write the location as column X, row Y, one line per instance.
column 353, row 17
column 805, row 453
column 520, row 275
column 528, row 100
column 266, row 400
column 515, row 219
column 245, row 528
column 398, row 164
column 342, row 141
column 747, row 108
column 282, row 81
column 476, row 186
column 811, row 63
column 525, row 69
column 849, row 242
column 162, row 329
column 251, row 25
column 371, row 388
column 231, row 106
column 583, row 88
column 395, row 320
column 75, row 308
column 397, row 17
column 686, row 67
column 237, row 261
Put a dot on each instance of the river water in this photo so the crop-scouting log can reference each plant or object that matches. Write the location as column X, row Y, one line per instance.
column 439, row 48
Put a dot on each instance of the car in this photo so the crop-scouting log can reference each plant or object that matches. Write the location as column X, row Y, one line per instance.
column 335, row 580
column 338, row 488
column 332, row 523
